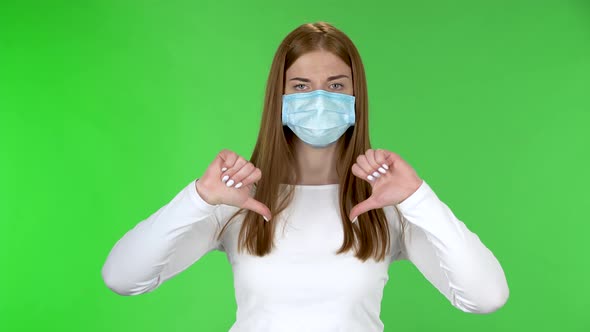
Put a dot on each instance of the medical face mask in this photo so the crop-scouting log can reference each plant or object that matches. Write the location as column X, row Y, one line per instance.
column 319, row 117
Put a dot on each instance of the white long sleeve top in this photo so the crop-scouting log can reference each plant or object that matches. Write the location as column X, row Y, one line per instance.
column 303, row 285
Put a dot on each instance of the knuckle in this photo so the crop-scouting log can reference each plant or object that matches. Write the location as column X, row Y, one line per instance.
column 257, row 171
column 229, row 154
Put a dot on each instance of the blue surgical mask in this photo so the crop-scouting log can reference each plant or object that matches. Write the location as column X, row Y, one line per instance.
column 318, row 117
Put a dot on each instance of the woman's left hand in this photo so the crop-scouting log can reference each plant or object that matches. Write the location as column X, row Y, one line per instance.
column 390, row 184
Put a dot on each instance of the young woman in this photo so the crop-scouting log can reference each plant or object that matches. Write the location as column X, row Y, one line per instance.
column 312, row 221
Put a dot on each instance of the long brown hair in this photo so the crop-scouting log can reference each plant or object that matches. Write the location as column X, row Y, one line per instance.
column 274, row 152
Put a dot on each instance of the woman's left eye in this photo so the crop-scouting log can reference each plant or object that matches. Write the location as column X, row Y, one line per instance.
column 336, row 84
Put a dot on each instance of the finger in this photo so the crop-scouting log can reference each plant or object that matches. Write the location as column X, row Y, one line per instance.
column 229, row 174
column 228, row 158
column 362, row 207
column 254, row 205
column 364, row 165
column 381, row 159
column 370, row 155
column 219, row 160
column 239, row 177
column 253, row 177
column 224, row 160
column 390, row 158
column 359, row 172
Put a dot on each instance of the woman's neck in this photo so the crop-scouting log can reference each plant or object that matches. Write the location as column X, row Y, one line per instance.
column 316, row 166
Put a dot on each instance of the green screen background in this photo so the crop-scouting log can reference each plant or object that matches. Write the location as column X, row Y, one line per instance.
column 109, row 108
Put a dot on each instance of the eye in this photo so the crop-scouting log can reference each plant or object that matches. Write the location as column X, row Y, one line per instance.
column 338, row 86
column 299, row 86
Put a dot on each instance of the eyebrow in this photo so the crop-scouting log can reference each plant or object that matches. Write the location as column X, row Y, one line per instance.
column 331, row 78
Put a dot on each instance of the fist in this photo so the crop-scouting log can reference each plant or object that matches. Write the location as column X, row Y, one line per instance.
column 391, row 178
column 229, row 180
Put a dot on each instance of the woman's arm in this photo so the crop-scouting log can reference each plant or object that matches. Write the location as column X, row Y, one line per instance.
column 449, row 255
column 163, row 245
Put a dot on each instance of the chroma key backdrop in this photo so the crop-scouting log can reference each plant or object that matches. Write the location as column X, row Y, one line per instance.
column 109, row 108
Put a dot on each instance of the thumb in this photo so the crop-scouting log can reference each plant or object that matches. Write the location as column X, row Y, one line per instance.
column 254, row 205
column 362, row 207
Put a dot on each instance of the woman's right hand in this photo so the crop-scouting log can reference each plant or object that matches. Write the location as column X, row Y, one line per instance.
column 228, row 180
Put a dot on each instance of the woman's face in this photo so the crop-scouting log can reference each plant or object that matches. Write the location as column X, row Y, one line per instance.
column 318, row 70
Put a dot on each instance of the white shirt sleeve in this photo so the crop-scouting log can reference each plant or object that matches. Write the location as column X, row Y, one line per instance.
column 449, row 255
column 163, row 245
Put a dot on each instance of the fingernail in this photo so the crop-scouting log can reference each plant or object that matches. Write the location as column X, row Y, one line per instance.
column 382, row 170
column 376, row 174
column 385, row 166
column 265, row 218
column 371, row 178
column 238, row 185
column 355, row 219
column 229, row 183
column 223, row 169
column 225, row 178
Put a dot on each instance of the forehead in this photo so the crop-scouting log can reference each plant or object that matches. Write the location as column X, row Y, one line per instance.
column 317, row 64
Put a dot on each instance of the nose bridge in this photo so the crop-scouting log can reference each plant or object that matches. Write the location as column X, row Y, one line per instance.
column 320, row 82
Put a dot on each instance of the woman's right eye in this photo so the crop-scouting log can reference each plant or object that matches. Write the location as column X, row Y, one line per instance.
column 299, row 86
